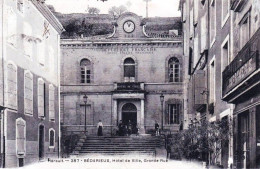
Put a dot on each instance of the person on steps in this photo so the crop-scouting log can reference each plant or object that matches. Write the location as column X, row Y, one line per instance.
column 100, row 128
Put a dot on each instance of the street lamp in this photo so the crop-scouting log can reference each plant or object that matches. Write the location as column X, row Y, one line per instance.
column 85, row 99
column 162, row 100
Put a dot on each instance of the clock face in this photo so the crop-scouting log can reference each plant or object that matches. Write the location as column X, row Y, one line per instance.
column 129, row 26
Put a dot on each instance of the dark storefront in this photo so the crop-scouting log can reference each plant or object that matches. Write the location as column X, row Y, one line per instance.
column 241, row 86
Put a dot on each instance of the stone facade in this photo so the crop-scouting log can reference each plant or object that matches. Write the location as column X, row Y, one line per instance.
column 109, row 88
column 30, row 54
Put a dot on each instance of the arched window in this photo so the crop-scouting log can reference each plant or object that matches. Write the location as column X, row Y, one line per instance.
column 51, row 138
column 12, row 86
column 174, row 70
column 129, row 70
column 85, row 68
column 28, row 93
column 20, row 136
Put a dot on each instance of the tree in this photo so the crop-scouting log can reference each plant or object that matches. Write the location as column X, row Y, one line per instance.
column 93, row 10
column 117, row 11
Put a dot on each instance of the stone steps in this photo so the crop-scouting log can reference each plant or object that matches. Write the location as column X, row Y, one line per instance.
column 145, row 145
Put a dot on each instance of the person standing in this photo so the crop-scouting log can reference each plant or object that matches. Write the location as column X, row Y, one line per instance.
column 120, row 128
column 129, row 127
column 156, row 127
column 100, row 128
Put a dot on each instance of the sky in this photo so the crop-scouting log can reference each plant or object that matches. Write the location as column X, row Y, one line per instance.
column 161, row 8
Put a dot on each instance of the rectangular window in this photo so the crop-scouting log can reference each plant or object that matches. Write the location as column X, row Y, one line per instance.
column 85, row 75
column 212, row 81
column 225, row 54
column 212, row 21
column 20, row 4
column 204, row 32
column 12, row 86
column 225, row 10
column 196, row 49
column 41, row 98
column 191, row 23
column 20, row 136
column 51, row 103
column 184, row 15
column 28, row 93
column 196, row 11
column 244, row 30
column 174, row 113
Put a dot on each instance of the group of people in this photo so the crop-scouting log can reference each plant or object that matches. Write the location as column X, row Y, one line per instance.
column 127, row 129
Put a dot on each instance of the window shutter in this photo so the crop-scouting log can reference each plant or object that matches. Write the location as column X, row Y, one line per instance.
column 28, row 93
column 12, row 86
column 20, row 137
column 51, row 103
column 40, row 98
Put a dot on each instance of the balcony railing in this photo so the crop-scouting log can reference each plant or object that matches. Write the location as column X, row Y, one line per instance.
column 129, row 86
column 245, row 63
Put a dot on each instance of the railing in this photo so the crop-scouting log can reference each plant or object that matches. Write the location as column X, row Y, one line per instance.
column 244, row 64
column 128, row 86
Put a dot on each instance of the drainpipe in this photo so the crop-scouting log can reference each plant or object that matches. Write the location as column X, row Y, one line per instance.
column 3, row 111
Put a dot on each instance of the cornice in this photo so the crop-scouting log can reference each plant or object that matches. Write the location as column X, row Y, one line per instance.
column 84, row 44
column 49, row 16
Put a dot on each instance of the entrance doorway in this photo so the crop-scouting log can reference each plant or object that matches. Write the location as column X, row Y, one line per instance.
column 243, row 142
column 41, row 142
column 129, row 113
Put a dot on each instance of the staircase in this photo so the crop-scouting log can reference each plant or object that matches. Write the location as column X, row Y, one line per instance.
column 141, row 145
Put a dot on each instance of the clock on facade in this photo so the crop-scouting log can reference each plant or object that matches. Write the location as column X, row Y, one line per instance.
column 129, row 26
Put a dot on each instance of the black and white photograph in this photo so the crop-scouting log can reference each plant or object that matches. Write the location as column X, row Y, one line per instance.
column 130, row 84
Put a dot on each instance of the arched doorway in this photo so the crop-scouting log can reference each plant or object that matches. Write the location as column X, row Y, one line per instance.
column 41, row 142
column 129, row 112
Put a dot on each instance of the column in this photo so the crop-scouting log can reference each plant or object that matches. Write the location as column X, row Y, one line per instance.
column 142, row 130
column 115, row 115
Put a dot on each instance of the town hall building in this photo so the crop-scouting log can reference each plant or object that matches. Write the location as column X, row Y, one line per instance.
column 124, row 76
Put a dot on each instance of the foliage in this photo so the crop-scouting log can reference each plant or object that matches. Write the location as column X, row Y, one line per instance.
column 200, row 139
column 117, row 11
column 93, row 10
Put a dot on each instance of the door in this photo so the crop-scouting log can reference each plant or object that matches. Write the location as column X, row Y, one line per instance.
column 129, row 113
column 244, row 140
column 41, row 142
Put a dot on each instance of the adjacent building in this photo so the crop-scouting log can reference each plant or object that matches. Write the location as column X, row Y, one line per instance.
column 123, row 75
column 241, row 81
column 221, row 42
column 29, row 85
